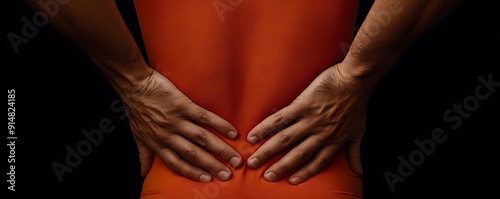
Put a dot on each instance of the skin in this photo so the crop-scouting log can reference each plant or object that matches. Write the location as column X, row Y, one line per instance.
column 329, row 114
column 163, row 120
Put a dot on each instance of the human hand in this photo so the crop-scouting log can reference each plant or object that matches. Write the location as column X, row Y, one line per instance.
column 329, row 114
column 166, row 122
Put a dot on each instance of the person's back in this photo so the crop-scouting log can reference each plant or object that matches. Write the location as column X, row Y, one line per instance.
column 244, row 60
column 244, row 68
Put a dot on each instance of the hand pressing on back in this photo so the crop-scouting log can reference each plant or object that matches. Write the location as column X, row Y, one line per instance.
column 328, row 115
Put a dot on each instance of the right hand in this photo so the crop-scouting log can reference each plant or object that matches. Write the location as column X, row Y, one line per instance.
column 167, row 123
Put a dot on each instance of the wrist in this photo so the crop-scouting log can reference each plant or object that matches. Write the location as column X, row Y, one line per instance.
column 123, row 74
column 367, row 71
column 362, row 77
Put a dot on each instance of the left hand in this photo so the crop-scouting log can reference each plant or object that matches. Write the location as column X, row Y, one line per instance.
column 329, row 114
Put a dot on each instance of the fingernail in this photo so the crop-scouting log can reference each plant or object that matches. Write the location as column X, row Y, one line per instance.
column 253, row 139
column 223, row 175
column 254, row 162
column 295, row 180
column 270, row 176
column 205, row 178
column 232, row 134
column 235, row 161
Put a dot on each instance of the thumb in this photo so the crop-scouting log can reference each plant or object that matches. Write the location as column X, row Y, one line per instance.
column 146, row 156
column 354, row 156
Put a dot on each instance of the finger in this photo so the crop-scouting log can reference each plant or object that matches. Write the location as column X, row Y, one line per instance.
column 146, row 156
column 297, row 156
column 197, row 156
column 354, row 156
column 273, row 124
column 180, row 166
column 276, row 143
column 212, row 120
column 320, row 161
column 210, row 142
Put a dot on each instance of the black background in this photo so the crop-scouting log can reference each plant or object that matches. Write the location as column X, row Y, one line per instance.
column 59, row 93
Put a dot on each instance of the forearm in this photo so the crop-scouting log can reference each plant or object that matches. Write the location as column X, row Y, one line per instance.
column 97, row 27
column 388, row 29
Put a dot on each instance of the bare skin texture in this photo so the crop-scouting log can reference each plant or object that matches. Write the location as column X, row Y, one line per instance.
column 329, row 114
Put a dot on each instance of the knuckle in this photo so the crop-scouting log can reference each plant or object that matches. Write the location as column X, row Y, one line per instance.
column 280, row 120
column 223, row 152
column 189, row 154
column 210, row 166
column 283, row 168
column 268, row 130
column 309, row 172
column 168, row 139
column 162, row 137
column 303, row 153
column 215, row 124
column 175, row 165
column 266, row 153
column 190, row 173
column 322, row 162
column 201, row 138
column 203, row 117
column 285, row 139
